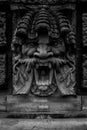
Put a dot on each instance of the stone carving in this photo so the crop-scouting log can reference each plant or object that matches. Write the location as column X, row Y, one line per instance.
column 85, row 70
column 84, row 23
column 2, row 43
column 2, row 69
column 43, row 54
column 43, row 1
column 2, row 29
column 84, row 31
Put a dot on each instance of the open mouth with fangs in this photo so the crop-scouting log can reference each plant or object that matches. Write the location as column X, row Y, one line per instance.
column 43, row 84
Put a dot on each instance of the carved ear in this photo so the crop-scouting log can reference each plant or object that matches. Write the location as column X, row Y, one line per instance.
column 24, row 25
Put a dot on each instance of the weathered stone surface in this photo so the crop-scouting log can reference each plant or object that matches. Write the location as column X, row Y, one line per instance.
column 84, row 18
column 43, row 1
column 3, row 0
column 2, row 69
column 22, row 60
column 3, row 103
column 29, row 104
column 83, row 0
column 84, row 102
column 2, row 43
column 59, row 124
column 26, row 105
column 2, row 28
column 84, row 70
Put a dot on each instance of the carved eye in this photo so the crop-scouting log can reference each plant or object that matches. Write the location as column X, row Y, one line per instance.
column 55, row 43
column 33, row 44
column 60, row 42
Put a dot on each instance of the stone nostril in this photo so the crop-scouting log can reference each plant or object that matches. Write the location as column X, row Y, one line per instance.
column 43, row 52
column 36, row 54
column 50, row 53
column 43, row 55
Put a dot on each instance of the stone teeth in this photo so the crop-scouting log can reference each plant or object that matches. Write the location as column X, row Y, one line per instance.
column 43, row 64
column 37, row 66
column 47, row 83
column 49, row 65
column 40, row 64
column 51, row 76
column 38, row 83
column 43, row 83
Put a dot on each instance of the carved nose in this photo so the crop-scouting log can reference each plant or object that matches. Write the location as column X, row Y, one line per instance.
column 43, row 52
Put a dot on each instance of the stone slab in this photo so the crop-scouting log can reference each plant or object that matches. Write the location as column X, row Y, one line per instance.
column 30, row 105
column 3, row 104
column 59, row 124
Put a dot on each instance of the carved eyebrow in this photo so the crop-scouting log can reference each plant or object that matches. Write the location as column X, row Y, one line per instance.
column 55, row 39
column 28, row 41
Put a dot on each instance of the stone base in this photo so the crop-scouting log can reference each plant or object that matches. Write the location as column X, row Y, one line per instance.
column 59, row 124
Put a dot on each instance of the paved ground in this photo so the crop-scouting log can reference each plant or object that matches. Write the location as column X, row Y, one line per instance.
column 59, row 124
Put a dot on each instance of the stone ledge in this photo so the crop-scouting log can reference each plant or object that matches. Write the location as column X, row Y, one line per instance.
column 26, row 104
column 59, row 124
column 44, row 115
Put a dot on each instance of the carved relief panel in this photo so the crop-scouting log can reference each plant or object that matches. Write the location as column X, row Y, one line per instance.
column 2, row 45
column 43, row 48
column 84, row 32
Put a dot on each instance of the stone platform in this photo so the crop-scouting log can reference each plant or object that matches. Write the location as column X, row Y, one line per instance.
column 59, row 124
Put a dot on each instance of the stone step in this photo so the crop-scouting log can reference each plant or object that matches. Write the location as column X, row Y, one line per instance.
column 59, row 124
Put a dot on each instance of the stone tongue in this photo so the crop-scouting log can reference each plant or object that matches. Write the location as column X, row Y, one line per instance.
column 43, row 73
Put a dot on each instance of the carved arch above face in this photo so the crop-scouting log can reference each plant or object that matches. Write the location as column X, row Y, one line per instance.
column 43, row 61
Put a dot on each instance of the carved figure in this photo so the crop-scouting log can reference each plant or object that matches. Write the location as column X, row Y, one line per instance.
column 43, row 54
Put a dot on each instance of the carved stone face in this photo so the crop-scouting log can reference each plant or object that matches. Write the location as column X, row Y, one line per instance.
column 45, row 54
column 43, row 65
